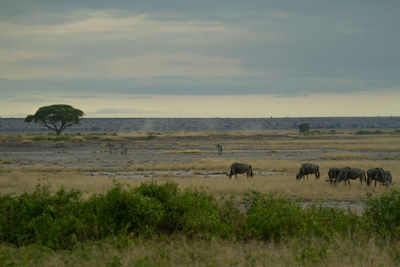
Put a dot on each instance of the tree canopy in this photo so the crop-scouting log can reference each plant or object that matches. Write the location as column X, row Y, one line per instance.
column 56, row 117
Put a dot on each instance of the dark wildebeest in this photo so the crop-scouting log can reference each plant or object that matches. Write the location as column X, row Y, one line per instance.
column 348, row 173
column 379, row 175
column 219, row 148
column 306, row 169
column 332, row 174
column 238, row 168
column 388, row 177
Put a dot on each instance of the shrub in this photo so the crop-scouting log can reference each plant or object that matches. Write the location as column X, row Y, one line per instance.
column 194, row 213
column 382, row 215
column 369, row 132
column 163, row 193
column 124, row 210
column 270, row 218
column 40, row 218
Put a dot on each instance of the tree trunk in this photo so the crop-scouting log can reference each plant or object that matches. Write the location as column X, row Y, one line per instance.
column 58, row 132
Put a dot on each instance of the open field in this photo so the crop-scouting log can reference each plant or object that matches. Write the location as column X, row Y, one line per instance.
column 80, row 161
column 192, row 161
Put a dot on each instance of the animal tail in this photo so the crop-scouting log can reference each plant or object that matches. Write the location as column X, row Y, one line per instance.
column 318, row 174
column 251, row 172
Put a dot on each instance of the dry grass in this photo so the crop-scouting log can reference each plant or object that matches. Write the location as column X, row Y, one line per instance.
column 187, row 151
column 372, row 143
column 344, row 156
column 19, row 180
column 179, row 251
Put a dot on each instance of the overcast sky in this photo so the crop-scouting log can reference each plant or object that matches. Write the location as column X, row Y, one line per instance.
column 201, row 58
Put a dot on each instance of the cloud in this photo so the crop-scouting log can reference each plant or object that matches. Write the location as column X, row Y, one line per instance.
column 172, row 65
column 12, row 56
column 104, row 111
column 103, row 25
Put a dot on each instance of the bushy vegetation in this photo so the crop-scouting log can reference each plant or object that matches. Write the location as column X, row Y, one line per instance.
column 382, row 215
column 369, row 132
column 271, row 218
column 63, row 220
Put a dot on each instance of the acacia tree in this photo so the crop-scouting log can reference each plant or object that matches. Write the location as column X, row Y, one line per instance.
column 56, row 117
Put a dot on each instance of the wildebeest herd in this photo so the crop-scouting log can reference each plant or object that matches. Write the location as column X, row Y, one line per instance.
column 335, row 174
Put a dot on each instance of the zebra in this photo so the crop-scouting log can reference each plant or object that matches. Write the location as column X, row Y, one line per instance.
column 114, row 148
column 219, row 148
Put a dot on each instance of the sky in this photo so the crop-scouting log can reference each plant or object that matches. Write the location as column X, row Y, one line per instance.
column 185, row 58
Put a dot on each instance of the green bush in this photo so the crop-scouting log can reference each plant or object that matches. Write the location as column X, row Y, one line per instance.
column 164, row 193
column 382, row 215
column 271, row 218
column 194, row 212
column 369, row 132
column 63, row 219
column 52, row 137
column 124, row 210
column 40, row 218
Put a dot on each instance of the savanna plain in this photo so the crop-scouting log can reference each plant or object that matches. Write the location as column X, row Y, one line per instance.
column 157, row 199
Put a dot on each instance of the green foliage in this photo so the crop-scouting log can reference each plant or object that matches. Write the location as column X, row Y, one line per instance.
column 124, row 210
column 313, row 133
column 52, row 137
column 194, row 213
column 63, row 220
column 271, row 218
column 56, row 117
column 382, row 215
column 361, row 132
column 40, row 218
column 304, row 127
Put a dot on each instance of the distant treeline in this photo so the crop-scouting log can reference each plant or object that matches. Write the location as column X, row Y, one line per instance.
column 17, row 125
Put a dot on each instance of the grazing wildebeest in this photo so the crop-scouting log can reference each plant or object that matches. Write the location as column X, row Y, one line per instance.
column 306, row 169
column 379, row 175
column 348, row 173
column 332, row 174
column 219, row 148
column 238, row 168
column 388, row 177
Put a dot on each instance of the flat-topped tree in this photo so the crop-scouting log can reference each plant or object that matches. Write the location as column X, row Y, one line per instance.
column 56, row 117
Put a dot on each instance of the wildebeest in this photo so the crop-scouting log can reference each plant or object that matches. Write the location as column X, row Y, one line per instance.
column 388, row 177
column 238, row 168
column 332, row 174
column 306, row 169
column 378, row 175
column 348, row 173
column 219, row 148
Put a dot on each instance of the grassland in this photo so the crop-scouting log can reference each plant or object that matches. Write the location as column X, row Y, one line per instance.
column 69, row 162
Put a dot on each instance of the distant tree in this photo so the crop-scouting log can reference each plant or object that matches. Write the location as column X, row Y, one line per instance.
column 304, row 127
column 56, row 117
